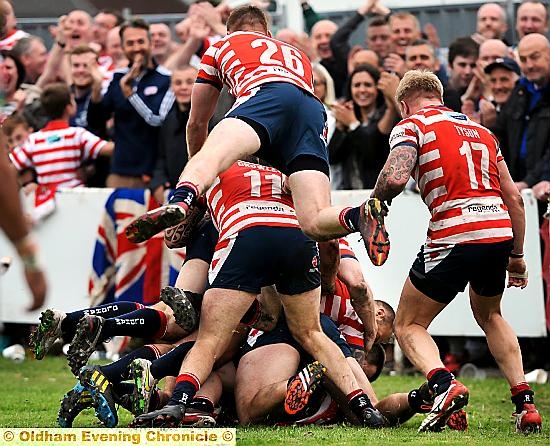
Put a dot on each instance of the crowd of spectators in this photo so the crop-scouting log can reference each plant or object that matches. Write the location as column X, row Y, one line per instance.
column 131, row 81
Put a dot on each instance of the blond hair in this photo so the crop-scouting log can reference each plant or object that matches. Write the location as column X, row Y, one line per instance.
column 419, row 84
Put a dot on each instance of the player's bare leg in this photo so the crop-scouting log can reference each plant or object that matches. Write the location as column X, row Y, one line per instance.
column 504, row 347
column 415, row 313
column 302, row 312
column 260, row 387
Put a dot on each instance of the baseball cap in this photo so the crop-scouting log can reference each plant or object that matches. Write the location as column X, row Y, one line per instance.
column 503, row 62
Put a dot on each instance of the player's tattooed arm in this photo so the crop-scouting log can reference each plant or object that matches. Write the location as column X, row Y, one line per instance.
column 395, row 173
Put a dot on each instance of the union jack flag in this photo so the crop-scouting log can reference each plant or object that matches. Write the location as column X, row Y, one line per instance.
column 123, row 271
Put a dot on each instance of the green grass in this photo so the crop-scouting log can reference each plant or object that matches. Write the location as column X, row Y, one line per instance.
column 30, row 394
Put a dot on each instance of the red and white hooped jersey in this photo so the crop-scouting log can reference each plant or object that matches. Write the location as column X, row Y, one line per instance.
column 249, row 194
column 338, row 307
column 245, row 60
column 56, row 153
column 457, row 175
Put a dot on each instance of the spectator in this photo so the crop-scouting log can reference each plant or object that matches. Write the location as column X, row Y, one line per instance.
column 522, row 124
column 42, row 150
column 104, row 21
column 139, row 97
column 405, row 29
column 16, row 130
column 491, row 50
column 379, row 36
column 113, row 49
column 363, row 123
column 32, row 53
column 13, row 75
column 491, row 23
column 503, row 73
column 463, row 54
column 420, row 55
column 359, row 56
column 9, row 34
column 339, row 42
column 172, row 155
column 162, row 45
column 476, row 99
column 81, row 29
column 335, row 63
column 531, row 17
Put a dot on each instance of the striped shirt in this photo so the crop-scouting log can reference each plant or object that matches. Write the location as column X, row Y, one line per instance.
column 245, row 60
column 9, row 42
column 247, row 195
column 56, row 152
column 338, row 307
column 457, row 174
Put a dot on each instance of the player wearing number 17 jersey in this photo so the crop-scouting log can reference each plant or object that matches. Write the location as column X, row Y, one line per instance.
column 277, row 118
column 476, row 233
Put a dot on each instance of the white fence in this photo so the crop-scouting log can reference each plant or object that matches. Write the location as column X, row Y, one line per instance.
column 67, row 239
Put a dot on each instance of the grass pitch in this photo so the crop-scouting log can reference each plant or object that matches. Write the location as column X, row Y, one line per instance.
column 31, row 391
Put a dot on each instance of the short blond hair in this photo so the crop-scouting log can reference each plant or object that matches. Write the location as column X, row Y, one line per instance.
column 419, row 84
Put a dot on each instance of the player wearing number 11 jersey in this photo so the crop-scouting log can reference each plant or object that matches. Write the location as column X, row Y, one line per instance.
column 476, row 233
column 275, row 117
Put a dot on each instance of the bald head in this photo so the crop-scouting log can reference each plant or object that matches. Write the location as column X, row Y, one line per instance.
column 363, row 57
column 491, row 21
column 534, row 58
column 531, row 17
column 492, row 49
column 321, row 33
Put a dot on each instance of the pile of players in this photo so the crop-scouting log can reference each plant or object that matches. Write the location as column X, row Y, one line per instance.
column 264, row 269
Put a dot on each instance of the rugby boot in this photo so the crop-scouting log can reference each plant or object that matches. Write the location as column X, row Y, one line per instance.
column 87, row 336
column 301, row 386
column 144, row 385
column 74, row 401
column 47, row 332
column 184, row 313
column 452, row 400
column 373, row 231
column 168, row 416
column 528, row 421
column 102, row 393
column 151, row 223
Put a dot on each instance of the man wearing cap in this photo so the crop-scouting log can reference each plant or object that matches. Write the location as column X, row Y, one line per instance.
column 502, row 75
column 522, row 124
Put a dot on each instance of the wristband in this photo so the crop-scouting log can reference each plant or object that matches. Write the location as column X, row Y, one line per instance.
column 353, row 126
column 513, row 255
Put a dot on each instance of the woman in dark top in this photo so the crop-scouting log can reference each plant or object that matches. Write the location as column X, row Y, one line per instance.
column 364, row 121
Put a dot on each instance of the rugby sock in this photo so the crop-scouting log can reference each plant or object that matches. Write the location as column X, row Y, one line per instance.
column 349, row 218
column 68, row 325
column 522, row 394
column 185, row 192
column 187, row 386
column 120, row 370
column 202, row 403
column 356, row 401
column 439, row 380
column 170, row 363
column 146, row 323
column 417, row 402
